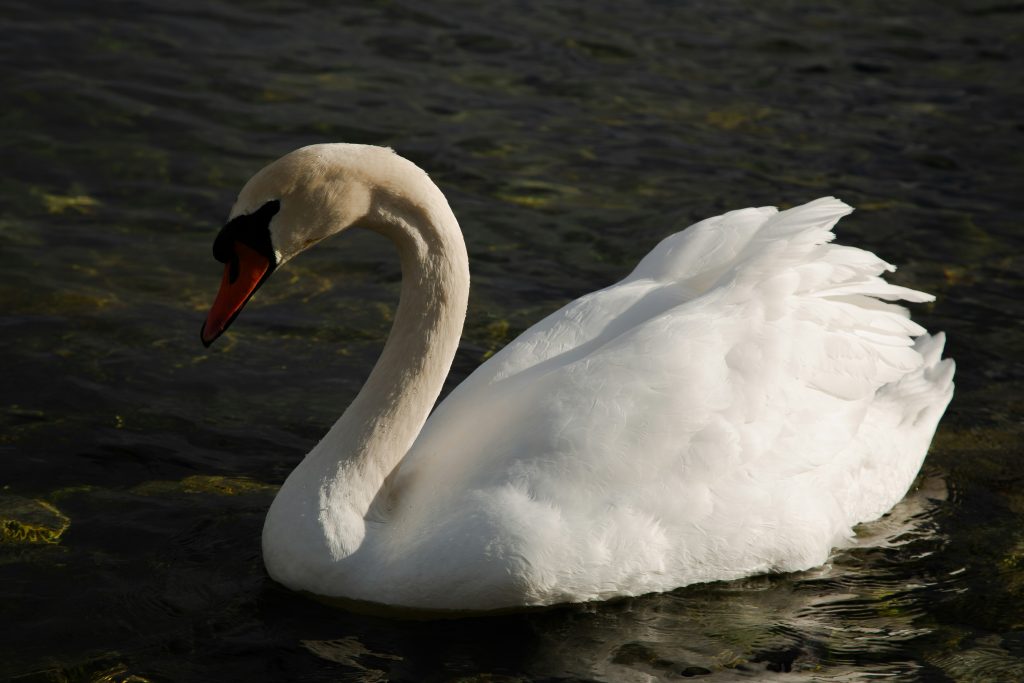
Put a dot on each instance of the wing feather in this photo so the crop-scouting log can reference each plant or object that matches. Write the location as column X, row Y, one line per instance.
column 700, row 415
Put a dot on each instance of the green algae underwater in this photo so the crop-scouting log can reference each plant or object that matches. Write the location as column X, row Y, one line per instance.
column 569, row 139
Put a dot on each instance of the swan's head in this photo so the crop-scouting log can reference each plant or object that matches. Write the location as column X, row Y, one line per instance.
column 287, row 207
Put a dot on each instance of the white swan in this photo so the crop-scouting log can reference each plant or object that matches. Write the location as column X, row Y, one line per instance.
column 734, row 406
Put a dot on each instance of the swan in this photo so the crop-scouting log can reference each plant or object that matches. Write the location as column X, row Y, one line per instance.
column 734, row 406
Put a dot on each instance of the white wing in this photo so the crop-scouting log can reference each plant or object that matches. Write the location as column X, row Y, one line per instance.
column 733, row 406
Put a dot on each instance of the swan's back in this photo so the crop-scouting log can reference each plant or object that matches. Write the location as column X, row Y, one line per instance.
column 733, row 406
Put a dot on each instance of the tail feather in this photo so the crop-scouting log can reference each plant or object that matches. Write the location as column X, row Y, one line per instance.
column 808, row 223
column 930, row 347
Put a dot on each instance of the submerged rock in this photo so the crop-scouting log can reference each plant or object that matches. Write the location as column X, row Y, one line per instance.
column 30, row 520
column 210, row 484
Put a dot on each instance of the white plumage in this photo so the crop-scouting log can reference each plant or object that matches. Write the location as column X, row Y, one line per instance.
column 733, row 406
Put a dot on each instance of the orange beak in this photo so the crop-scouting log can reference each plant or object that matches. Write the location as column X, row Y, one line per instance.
column 243, row 275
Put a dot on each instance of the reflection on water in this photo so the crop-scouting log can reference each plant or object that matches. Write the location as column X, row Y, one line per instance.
column 569, row 138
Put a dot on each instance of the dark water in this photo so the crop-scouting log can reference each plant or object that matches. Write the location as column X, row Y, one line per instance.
column 569, row 137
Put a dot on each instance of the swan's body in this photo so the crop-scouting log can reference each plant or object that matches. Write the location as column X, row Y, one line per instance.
column 733, row 406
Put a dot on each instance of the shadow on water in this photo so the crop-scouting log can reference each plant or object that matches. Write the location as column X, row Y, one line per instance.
column 137, row 467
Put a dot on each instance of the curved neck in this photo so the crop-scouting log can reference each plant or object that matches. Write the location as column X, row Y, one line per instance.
column 384, row 419
column 334, row 486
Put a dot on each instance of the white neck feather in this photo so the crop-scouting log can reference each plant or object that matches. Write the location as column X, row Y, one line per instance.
column 330, row 492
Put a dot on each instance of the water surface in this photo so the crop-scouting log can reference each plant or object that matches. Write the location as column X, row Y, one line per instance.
column 569, row 137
